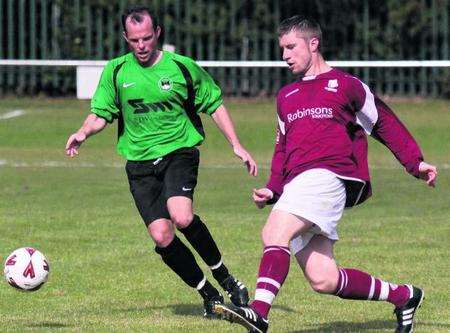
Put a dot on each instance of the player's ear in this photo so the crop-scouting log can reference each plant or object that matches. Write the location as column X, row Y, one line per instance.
column 314, row 44
column 124, row 34
column 158, row 31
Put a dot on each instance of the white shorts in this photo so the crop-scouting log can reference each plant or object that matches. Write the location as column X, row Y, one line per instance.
column 317, row 195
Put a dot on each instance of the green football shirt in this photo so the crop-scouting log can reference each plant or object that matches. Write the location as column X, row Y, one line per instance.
column 157, row 106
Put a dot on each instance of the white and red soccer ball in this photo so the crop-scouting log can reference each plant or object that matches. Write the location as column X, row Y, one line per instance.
column 26, row 269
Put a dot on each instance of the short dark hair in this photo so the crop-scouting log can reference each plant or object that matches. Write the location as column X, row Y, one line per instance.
column 137, row 14
column 301, row 24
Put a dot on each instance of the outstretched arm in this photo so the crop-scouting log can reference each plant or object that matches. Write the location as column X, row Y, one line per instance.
column 391, row 132
column 93, row 124
column 223, row 121
column 379, row 121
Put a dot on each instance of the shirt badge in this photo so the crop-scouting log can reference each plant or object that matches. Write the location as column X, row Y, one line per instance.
column 165, row 84
column 332, row 85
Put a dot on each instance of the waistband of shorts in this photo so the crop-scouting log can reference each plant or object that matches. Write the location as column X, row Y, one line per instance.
column 157, row 160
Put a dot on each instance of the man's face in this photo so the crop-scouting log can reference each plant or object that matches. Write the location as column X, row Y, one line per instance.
column 297, row 51
column 142, row 38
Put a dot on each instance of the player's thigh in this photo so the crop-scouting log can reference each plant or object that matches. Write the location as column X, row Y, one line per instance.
column 180, row 177
column 282, row 226
column 318, row 264
column 147, row 188
column 316, row 195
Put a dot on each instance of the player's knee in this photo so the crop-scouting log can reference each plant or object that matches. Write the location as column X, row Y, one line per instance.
column 182, row 220
column 270, row 237
column 162, row 236
column 323, row 285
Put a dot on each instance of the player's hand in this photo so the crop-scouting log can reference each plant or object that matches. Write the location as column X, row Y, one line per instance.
column 240, row 152
column 261, row 196
column 74, row 142
column 428, row 173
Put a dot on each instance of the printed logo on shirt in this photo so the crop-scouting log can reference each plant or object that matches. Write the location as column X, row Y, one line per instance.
column 140, row 106
column 165, row 84
column 332, row 85
column 314, row 113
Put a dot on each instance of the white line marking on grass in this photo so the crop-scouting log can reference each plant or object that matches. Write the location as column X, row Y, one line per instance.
column 62, row 164
column 12, row 114
column 55, row 164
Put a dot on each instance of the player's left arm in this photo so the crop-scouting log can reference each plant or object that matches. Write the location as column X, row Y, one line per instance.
column 223, row 121
column 379, row 121
column 390, row 131
column 208, row 99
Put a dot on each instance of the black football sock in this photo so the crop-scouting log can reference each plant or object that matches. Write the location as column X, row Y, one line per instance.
column 220, row 272
column 202, row 241
column 181, row 260
column 207, row 291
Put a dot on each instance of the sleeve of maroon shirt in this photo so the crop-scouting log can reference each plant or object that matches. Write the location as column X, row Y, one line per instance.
column 381, row 123
column 275, row 183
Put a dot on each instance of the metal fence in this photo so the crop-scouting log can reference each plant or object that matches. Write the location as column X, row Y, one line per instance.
column 229, row 30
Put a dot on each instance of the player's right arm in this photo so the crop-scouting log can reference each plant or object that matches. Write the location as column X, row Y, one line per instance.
column 104, row 108
column 274, row 187
column 93, row 124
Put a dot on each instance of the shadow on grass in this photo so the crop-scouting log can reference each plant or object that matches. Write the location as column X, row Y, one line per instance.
column 195, row 310
column 187, row 309
column 47, row 324
column 341, row 327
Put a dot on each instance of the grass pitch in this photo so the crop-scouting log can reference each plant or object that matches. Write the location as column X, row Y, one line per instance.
column 106, row 277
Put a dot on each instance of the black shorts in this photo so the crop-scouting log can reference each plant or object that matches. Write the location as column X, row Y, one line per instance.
column 152, row 182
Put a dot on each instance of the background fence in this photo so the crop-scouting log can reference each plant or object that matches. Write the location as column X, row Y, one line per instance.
column 230, row 30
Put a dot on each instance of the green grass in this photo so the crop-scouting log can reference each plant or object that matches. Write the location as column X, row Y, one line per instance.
column 106, row 277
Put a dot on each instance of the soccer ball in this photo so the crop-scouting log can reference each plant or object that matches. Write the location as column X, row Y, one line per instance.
column 26, row 269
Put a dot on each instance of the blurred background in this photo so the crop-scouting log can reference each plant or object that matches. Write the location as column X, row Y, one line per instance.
column 229, row 30
column 79, row 211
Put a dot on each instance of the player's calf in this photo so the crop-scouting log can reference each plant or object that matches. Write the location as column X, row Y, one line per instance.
column 323, row 286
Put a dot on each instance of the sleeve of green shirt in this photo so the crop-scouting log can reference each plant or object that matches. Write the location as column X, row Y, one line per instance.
column 208, row 96
column 103, row 103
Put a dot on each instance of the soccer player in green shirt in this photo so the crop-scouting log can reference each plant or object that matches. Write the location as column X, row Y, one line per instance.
column 156, row 97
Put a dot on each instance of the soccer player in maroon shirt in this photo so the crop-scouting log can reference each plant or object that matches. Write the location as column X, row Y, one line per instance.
column 319, row 167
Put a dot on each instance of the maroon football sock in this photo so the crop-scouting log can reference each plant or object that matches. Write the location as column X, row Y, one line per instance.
column 355, row 284
column 273, row 269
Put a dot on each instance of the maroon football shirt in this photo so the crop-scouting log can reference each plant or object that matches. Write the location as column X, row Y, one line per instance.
column 323, row 121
